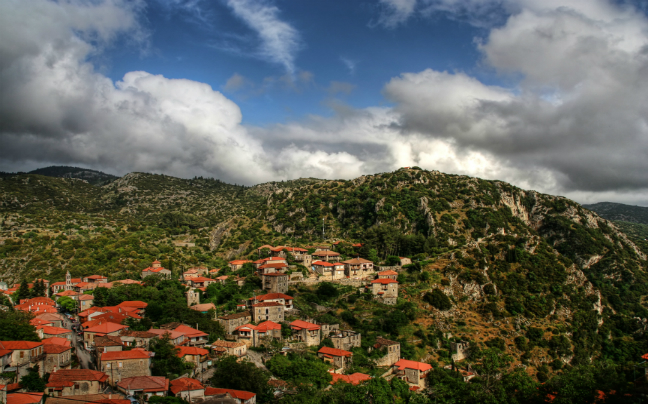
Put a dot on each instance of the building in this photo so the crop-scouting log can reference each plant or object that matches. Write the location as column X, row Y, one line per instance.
column 285, row 300
column 148, row 386
column 328, row 256
column 412, row 372
column 258, row 335
column 193, row 297
column 108, row 343
column 353, row 379
column 24, row 354
column 25, row 398
column 391, row 350
column 358, row 268
column 193, row 336
column 231, row 321
column 137, row 339
column 238, row 396
column 175, row 337
column 89, row 399
column 405, row 261
column 275, row 282
column 346, row 339
column 196, row 356
column 156, row 269
column 49, row 332
column 204, row 308
column 388, row 274
column 85, row 302
column 306, row 332
column 72, row 382
column 119, row 365
column 56, row 357
column 339, row 358
column 232, row 348
column 187, row 389
column 101, row 330
column 95, row 279
column 200, row 282
column 238, row 264
column 385, row 290
column 57, row 320
column 272, row 311
column 329, row 270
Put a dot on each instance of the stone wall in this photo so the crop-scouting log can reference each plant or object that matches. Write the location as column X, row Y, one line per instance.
column 118, row 370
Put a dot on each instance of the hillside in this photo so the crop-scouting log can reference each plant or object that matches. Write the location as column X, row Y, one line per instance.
column 620, row 212
column 93, row 177
column 537, row 275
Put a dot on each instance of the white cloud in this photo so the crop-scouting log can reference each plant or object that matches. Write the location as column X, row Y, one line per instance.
column 396, row 12
column 280, row 41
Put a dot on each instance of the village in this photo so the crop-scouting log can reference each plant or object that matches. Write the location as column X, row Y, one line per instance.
column 91, row 354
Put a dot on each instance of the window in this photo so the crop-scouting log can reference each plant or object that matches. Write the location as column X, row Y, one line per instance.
column 107, row 365
column 119, row 364
column 22, row 354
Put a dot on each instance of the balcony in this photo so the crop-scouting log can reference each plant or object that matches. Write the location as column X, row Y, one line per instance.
column 65, row 362
column 37, row 358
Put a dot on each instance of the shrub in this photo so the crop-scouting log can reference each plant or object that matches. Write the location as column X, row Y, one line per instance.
column 438, row 299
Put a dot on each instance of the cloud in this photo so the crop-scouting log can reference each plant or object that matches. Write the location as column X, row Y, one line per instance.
column 396, row 12
column 236, row 83
column 340, row 87
column 280, row 41
column 349, row 64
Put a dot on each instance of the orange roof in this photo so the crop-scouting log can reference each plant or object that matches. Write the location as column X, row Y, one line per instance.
column 172, row 334
column 53, row 330
column 71, row 375
column 190, row 350
column 96, row 277
column 384, row 281
column 357, row 261
column 388, row 272
column 4, row 352
column 122, row 355
column 334, row 352
column 203, row 307
column 406, row 364
column 145, row 383
column 57, row 341
column 353, row 379
column 55, row 349
column 38, row 322
column 38, row 300
column 19, row 345
column 106, row 328
column 323, row 264
column 86, row 297
column 239, row 262
column 248, row 326
column 133, row 303
column 272, row 296
column 276, row 265
column 200, row 279
column 68, row 293
column 185, row 384
column 300, row 324
column 237, row 394
column 24, row 398
column 190, row 332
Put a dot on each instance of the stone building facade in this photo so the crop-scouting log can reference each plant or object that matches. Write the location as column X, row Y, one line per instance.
column 231, row 321
column 391, row 349
column 346, row 339
column 275, row 283
column 56, row 357
column 74, row 382
column 412, row 372
column 309, row 333
column 268, row 311
column 385, row 290
column 124, row 364
column 339, row 358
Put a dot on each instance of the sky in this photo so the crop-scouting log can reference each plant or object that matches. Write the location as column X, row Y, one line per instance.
column 549, row 95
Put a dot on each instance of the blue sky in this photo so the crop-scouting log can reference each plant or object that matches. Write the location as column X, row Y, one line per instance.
column 341, row 41
column 549, row 95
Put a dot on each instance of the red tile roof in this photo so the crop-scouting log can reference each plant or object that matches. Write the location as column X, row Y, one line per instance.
column 267, row 304
column 185, row 384
column 276, row 265
column 272, row 296
column 57, row 341
column 384, row 281
column 24, row 398
column 190, row 332
column 72, row 375
column 268, row 325
column 86, row 297
column 53, row 330
column 124, row 355
column 38, row 322
column 238, row 394
column 68, row 293
column 334, row 352
column 355, row 261
column 203, row 307
column 189, row 350
column 300, row 324
column 353, row 379
column 388, row 272
column 55, row 349
column 239, row 262
column 406, row 364
column 244, row 326
column 145, row 383
column 106, row 328
column 323, row 264
column 20, row 345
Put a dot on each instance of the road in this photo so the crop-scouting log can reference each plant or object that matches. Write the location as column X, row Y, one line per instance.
column 85, row 357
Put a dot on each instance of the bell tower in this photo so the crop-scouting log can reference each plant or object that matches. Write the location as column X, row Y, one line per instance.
column 192, row 297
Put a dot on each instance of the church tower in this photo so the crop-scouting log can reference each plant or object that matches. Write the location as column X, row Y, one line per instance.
column 68, row 281
column 192, row 297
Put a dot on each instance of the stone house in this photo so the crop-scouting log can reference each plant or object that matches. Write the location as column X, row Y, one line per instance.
column 412, row 372
column 56, row 319
column 24, row 354
column 187, row 389
column 56, row 357
column 285, row 300
column 95, row 279
column 346, row 339
column 272, row 311
column 156, row 269
column 391, row 349
column 257, row 335
column 73, row 382
column 232, row 348
column 199, row 357
column 50, row 331
column 329, row 270
column 328, row 256
column 176, row 338
column 235, row 265
column 194, row 337
column 275, row 282
column 388, row 274
column 272, row 268
column 405, row 261
column 358, row 268
column 108, row 343
column 306, row 332
column 137, row 339
column 460, row 350
column 147, row 385
column 85, row 302
column 385, row 290
column 119, row 365
column 339, row 358
column 231, row 321
column 236, row 396
column 101, row 330
column 200, row 282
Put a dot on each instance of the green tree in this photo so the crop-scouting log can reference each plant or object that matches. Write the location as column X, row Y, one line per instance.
column 300, row 369
column 438, row 299
column 23, row 291
column 32, row 381
column 39, row 289
column 232, row 374
column 166, row 361
column 67, row 303
column 14, row 326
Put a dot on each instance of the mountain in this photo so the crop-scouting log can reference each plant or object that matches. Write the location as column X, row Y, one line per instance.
column 91, row 176
column 620, row 212
column 513, row 265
